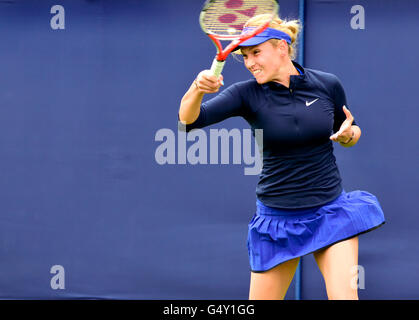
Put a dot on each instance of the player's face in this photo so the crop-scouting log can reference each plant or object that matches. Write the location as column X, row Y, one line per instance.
column 264, row 61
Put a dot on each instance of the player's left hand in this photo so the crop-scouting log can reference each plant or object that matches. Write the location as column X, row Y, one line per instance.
column 345, row 132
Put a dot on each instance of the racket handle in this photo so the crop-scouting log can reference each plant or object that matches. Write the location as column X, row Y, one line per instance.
column 217, row 67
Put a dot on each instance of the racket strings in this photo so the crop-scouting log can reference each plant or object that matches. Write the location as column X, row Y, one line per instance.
column 227, row 17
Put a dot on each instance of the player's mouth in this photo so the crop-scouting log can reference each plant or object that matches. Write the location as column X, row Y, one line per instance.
column 256, row 72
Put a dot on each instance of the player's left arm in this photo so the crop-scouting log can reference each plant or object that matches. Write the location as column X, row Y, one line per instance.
column 345, row 130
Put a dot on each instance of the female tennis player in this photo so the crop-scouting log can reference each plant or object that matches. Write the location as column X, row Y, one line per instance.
column 301, row 207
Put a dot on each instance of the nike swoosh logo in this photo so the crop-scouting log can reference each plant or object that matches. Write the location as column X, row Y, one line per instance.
column 310, row 103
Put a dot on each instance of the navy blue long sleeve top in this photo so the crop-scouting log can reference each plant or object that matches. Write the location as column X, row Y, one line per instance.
column 299, row 167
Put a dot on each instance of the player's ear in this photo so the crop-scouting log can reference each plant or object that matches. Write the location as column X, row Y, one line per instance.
column 283, row 45
column 277, row 44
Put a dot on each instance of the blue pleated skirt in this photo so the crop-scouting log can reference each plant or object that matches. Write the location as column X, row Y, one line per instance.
column 277, row 235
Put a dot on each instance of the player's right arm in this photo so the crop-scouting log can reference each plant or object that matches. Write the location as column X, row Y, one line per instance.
column 190, row 104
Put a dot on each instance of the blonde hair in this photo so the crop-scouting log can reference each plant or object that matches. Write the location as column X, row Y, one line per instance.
column 290, row 27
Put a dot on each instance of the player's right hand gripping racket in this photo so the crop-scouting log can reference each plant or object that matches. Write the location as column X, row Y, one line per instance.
column 224, row 20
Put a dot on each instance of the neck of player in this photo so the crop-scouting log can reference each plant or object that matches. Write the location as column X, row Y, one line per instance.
column 284, row 72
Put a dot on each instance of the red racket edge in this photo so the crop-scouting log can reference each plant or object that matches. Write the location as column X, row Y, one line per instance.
column 223, row 54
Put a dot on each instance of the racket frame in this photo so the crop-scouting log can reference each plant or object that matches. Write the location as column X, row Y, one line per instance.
column 222, row 55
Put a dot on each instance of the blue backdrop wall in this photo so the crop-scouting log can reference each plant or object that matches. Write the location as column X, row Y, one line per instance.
column 86, row 210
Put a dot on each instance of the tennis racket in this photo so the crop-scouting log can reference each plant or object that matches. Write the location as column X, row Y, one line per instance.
column 223, row 20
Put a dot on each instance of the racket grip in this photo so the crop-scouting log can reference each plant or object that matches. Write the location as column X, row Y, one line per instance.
column 217, row 67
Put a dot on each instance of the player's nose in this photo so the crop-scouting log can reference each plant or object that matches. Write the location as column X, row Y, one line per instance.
column 249, row 63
